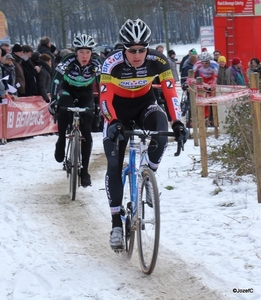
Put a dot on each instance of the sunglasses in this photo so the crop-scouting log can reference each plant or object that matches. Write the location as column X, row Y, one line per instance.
column 133, row 51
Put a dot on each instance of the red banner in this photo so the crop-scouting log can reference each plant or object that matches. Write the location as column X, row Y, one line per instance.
column 236, row 7
column 28, row 116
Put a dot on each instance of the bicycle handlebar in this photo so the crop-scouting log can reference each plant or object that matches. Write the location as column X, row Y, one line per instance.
column 147, row 134
column 77, row 109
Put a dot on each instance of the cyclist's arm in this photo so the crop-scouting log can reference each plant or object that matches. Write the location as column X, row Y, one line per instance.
column 106, row 98
column 170, row 94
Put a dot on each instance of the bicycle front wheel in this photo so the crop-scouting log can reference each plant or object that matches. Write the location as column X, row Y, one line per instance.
column 148, row 225
column 75, row 148
column 130, row 221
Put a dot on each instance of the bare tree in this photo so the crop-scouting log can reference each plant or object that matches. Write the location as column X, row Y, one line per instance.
column 170, row 21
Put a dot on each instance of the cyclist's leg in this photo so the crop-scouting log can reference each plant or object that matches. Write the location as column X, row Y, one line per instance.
column 86, row 145
column 114, row 188
column 64, row 118
column 154, row 118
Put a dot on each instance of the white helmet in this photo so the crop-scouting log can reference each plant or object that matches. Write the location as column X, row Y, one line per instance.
column 82, row 41
column 205, row 56
column 135, row 32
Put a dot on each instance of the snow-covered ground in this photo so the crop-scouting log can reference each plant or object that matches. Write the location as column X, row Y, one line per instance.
column 54, row 248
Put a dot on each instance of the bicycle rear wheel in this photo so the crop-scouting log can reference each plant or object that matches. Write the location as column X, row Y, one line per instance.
column 74, row 154
column 129, row 222
column 148, row 224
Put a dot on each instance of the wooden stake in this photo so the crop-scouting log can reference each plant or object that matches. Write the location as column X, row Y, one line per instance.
column 202, row 129
column 193, row 106
column 256, row 119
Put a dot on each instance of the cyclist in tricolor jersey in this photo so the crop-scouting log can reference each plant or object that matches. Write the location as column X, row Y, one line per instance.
column 126, row 94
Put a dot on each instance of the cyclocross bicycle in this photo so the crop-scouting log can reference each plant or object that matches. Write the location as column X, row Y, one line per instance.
column 73, row 157
column 140, row 210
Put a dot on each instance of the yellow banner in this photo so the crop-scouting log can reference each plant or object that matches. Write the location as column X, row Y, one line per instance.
column 3, row 27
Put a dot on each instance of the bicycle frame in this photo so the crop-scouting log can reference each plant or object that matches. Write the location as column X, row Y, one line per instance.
column 73, row 158
column 139, row 215
column 131, row 169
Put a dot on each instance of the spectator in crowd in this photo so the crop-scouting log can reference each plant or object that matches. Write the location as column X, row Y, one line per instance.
column 54, row 50
column 30, row 72
column 6, row 47
column 45, row 47
column 190, row 62
column 28, row 51
column 216, row 55
column 172, row 61
column 188, row 65
column 204, row 49
column 107, row 50
column 60, row 54
column 254, row 66
column 118, row 45
column 234, row 73
column 222, row 78
column 17, row 53
column 191, row 52
column 160, row 48
column 2, row 56
column 3, row 83
column 45, row 76
column 10, row 68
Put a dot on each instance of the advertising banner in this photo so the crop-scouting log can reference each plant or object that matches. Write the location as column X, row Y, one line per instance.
column 206, row 31
column 206, row 35
column 3, row 28
column 235, row 7
column 28, row 116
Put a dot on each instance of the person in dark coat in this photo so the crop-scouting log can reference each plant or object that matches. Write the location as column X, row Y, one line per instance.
column 30, row 72
column 45, row 47
column 45, row 76
column 222, row 77
column 3, row 73
column 17, row 53
column 185, row 58
column 10, row 69
column 188, row 65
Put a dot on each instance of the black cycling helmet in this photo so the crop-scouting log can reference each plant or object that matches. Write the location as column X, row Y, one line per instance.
column 83, row 41
column 135, row 32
